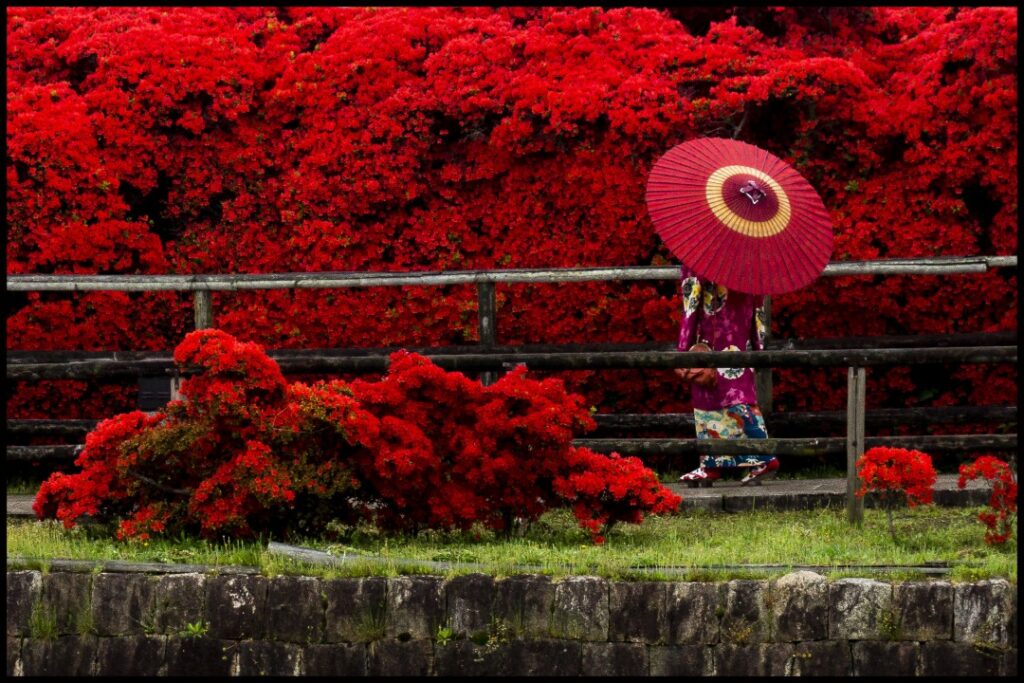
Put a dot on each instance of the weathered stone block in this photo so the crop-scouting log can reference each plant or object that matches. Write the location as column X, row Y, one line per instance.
column 693, row 610
column 14, row 667
column 798, row 607
column 295, row 609
column 924, row 610
column 178, row 600
column 355, row 609
column 752, row 660
column 525, row 603
column 614, row 659
column 636, row 611
column 465, row 658
column 415, row 607
column 826, row 658
column 777, row 658
column 513, row 658
column 745, row 616
column 67, row 656
column 335, row 659
column 268, row 658
column 66, row 597
column 398, row 658
column 580, row 610
column 469, row 604
column 199, row 656
column 738, row 660
column 22, row 595
column 983, row 613
column 544, row 657
column 680, row 660
column 236, row 606
column 947, row 658
column 122, row 604
column 130, row 656
column 860, row 609
column 1009, row 665
column 882, row 658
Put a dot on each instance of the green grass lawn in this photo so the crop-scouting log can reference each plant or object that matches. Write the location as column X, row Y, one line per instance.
column 697, row 541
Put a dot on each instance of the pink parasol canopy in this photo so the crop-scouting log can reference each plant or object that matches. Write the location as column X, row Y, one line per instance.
column 739, row 216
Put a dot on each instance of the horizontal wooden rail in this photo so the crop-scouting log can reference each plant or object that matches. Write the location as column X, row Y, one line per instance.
column 774, row 446
column 340, row 361
column 232, row 282
column 798, row 447
column 47, row 453
column 881, row 417
column 1001, row 338
column 39, row 427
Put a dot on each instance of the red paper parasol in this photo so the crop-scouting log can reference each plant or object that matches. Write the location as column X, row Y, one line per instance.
column 739, row 216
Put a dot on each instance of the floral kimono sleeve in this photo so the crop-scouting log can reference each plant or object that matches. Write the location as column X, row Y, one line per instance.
column 692, row 295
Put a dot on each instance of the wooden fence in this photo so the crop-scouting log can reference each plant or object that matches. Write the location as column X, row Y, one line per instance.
column 489, row 359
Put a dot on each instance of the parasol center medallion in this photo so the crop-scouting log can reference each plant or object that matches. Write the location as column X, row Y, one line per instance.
column 748, row 201
column 753, row 191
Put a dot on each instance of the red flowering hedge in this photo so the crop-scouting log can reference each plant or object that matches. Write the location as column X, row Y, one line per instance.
column 1002, row 503
column 244, row 453
column 197, row 140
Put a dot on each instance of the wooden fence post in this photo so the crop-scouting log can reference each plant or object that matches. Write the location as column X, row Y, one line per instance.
column 486, row 310
column 202, row 304
column 855, row 400
column 763, row 376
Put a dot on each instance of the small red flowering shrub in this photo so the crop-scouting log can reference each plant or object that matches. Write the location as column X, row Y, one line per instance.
column 897, row 470
column 605, row 490
column 269, row 139
column 896, row 475
column 241, row 454
column 244, row 454
column 1003, row 501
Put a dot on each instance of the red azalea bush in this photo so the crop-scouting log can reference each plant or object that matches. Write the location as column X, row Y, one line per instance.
column 258, row 139
column 897, row 471
column 244, row 453
column 605, row 490
column 460, row 453
column 263, row 139
column 227, row 460
column 896, row 474
column 464, row 452
column 1003, row 501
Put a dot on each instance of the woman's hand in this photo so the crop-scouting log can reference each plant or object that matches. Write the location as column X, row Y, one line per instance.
column 703, row 377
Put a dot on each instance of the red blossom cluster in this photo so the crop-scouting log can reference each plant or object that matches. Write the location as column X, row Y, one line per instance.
column 1003, row 501
column 259, row 139
column 226, row 460
column 245, row 453
column 607, row 489
column 893, row 471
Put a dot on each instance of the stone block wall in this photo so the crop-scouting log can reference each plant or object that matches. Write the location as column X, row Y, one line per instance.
column 130, row 623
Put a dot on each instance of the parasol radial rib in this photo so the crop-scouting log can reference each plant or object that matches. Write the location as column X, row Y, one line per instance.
column 690, row 246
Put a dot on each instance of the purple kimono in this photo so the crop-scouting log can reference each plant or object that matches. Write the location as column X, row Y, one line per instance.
column 726, row 321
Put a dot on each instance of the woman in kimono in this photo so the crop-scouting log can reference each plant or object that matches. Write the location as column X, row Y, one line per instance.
column 724, row 399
